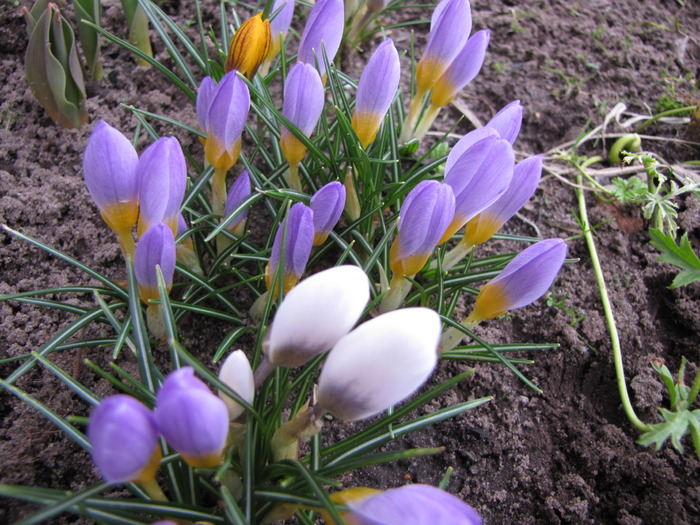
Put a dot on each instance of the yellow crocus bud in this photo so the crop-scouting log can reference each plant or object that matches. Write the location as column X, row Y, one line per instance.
column 249, row 46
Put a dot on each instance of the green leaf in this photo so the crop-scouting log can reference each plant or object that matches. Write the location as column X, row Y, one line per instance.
column 674, row 426
column 681, row 255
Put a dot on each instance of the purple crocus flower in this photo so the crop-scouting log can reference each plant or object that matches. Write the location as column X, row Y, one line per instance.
column 526, row 177
column 479, row 176
column 416, row 504
column 279, row 25
column 303, row 104
column 222, row 110
column 237, row 194
column 508, row 121
column 524, row 280
column 124, row 440
column 192, row 419
column 327, row 205
column 298, row 240
column 162, row 175
column 155, row 248
column 325, row 26
column 424, row 216
column 375, row 91
column 109, row 170
column 462, row 70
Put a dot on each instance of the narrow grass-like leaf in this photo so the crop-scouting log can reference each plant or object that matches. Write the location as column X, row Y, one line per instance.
column 63, row 504
column 84, row 393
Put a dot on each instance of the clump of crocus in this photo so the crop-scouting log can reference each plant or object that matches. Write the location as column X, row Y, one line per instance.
column 303, row 104
column 109, row 170
column 192, row 419
column 249, row 46
column 424, row 216
column 327, row 204
column 323, row 32
column 281, row 13
column 524, row 280
column 236, row 374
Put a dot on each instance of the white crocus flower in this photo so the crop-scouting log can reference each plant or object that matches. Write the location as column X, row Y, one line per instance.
column 379, row 364
column 238, row 376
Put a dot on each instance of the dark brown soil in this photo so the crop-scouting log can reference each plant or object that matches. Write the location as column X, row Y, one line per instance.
column 565, row 456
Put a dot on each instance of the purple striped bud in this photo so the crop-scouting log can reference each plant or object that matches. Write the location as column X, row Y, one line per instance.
column 462, row 70
column 478, row 177
column 416, row 504
column 192, row 419
column 376, row 90
column 508, row 121
column 238, row 376
column 424, row 216
column 524, row 280
column 379, row 364
column 237, row 194
column 526, row 177
column 222, row 110
column 279, row 25
column 162, row 175
column 450, row 26
column 327, row 204
column 298, row 240
column 109, row 169
column 155, row 248
column 124, row 440
column 325, row 26
column 303, row 104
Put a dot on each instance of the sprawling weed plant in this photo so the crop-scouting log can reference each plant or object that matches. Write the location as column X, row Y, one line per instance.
column 320, row 152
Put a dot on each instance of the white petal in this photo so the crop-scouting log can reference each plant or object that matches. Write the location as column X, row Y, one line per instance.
column 238, row 376
column 380, row 363
column 316, row 313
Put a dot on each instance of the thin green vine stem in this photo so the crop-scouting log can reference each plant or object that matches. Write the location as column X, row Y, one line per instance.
column 607, row 309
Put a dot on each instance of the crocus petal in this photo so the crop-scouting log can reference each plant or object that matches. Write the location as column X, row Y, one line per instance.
column 524, row 280
column 462, row 70
column 238, row 376
column 109, row 169
column 205, row 94
column 325, row 25
column 327, row 204
column 162, row 175
column 237, row 194
column 316, row 314
column 526, row 177
column 415, row 504
column 376, row 90
column 424, row 216
column 249, row 46
column 298, row 243
column 379, row 364
column 279, row 25
column 124, row 440
column 508, row 121
column 449, row 29
column 155, row 248
column 192, row 420
column 182, row 226
column 466, row 142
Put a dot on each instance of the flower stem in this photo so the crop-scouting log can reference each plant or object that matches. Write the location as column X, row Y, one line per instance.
column 398, row 290
column 153, row 490
column 455, row 255
column 453, row 336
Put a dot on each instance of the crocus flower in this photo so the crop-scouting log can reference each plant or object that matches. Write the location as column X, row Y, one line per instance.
column 327, row 205
column 303, row 104
column 316, row 314
column 279, row 25
column 162, row 175
column 238, row 376
column 155, row 248
column 109, row 169
column 375, row 91
column 526, row 177
column 124, row 440
column 524, row 280
column 424, row 216
column 297, row 234
column 508, row 121
column 237, row 194
column 462, row 70
column 479, row 176
column 192, row 419
column 325, row 27
column 379, row 364
column 222, row 110
column 249, row 46
column 416, row 504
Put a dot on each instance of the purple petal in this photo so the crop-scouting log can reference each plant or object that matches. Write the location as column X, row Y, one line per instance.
column 327, row 204
column 123, row 437
column 280, row 24
column 204, row 97
column 526, row 177
column 237, row 194
column 508, row 121
column 228, row 110
column 182, row 226
column 466, row 142
column 303, row 97
column 298, row 243
column 325, row 24
column 182, row 378
column 156, row 247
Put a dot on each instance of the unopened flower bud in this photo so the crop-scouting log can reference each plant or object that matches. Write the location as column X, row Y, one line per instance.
column 249, row 46
column 238, row 376
column 327, row 204
column 155, row 248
